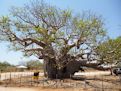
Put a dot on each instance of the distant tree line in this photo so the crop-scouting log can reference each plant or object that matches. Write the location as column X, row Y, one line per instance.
column 5, row 66
column 31, row 65
column 34, row 65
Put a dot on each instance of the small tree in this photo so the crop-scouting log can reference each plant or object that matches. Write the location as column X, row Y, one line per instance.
column 4, row 66
column 55, row 35
column 110, row 51
column 36, row 65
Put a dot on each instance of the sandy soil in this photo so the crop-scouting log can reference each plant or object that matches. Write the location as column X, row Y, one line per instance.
column 94, row 80
column 17, row 89
column 40, row 89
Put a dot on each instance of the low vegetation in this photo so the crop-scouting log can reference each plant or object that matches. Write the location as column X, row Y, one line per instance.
column 5, row 67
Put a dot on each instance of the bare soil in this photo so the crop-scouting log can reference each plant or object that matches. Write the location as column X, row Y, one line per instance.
column 84, row 83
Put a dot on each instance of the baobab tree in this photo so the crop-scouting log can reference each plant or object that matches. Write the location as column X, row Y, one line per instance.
column 58, row 36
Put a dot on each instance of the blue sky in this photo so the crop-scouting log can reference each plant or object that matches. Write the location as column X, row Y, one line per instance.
column 109, row 9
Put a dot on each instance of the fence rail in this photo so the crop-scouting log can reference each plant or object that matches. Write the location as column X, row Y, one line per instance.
column 97, row 83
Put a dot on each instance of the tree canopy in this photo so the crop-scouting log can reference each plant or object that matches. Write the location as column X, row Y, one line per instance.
column 58, row 36
column 110, row 50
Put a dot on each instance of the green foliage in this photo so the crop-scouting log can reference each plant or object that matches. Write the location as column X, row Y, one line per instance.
column 119, row 64
column 34, row 64
column 110, row 50
column 4, row 66
column 5, row 19
column 67, row 13
column 39, row 28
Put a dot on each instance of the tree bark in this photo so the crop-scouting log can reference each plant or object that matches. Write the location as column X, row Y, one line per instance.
column 66, row 72
column 51, row 69
column 45, row 68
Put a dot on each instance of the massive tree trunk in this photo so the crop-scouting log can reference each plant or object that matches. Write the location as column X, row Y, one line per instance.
column 51, row 69
column 45, row 68
column 67, row 71
column 69, row 66
column 53, row 72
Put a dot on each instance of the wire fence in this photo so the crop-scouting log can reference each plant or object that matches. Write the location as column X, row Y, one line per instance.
column 97, row 83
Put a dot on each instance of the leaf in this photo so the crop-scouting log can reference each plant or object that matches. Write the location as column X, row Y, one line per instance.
column 5, row 19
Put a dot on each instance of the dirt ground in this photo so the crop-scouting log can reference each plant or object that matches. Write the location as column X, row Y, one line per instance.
column 40, row 89
column 17, row 89
column 93, row 83
column 97, row 82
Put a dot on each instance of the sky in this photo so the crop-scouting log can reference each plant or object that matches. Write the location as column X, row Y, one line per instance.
column 109, row 9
